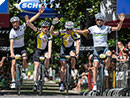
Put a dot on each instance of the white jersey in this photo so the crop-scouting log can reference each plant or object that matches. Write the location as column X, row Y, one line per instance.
column 100, row 35
column 18, row 36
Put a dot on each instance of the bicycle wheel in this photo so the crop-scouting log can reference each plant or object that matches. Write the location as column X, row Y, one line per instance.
column 40, row 79
column 18, row 79
column 102, row 79
column 67, row 78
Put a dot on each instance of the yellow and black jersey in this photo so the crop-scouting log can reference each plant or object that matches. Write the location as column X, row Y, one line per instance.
column 68, row 39
column 42, row 39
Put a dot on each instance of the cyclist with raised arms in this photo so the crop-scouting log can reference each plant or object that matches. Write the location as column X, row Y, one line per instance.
column 99, row 33
column 43, row 47
column 17, row 45
column 69, row 37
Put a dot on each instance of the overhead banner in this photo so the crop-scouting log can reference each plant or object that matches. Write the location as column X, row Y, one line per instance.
column 123, row 6
column 109, row 9
column 31, row 7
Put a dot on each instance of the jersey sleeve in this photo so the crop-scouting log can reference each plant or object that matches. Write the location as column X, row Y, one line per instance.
column 11, row 34
column 109, row 29
column 50, row 36
column 62, row 33
column 24, row 26
column 90, row 29
column 75, row 36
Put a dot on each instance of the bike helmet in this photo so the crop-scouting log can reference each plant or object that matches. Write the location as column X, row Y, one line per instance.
column 69, row 25
column 99, row 16
column 45, row 24
column 14, row 19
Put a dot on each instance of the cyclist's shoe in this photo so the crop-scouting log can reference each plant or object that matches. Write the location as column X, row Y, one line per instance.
column 13, row 85
column 35, row 87
column 95, row 87
column 24, row 76
column 61, row 87
column 46, row 73
column 106, row 72
column 72, row 73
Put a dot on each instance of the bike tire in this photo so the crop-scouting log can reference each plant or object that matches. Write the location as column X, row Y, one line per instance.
column 41, row 80
column 67, row 79
column 18, row 79
column 102, row 80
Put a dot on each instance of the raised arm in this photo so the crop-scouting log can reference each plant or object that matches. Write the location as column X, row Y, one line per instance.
column 77, row 47
column 81, row 31
column 41, row 10
column 54, row 22
column 30, row 24
column 121, row 18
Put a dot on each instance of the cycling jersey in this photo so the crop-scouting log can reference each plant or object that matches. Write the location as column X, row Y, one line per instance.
column 42, row 39
column 68, row 39
column 18, row 36
column 100, row 35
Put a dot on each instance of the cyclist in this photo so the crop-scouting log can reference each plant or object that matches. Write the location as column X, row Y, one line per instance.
column 99, row 33
column 69, row 38
column 17, row 46
column 43, row 47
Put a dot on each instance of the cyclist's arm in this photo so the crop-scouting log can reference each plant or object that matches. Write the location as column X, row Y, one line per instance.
column 52, row 32
column 121, row 17
column 41, row 10
column 11, row 47
column 81, row 31
column 32, row 26
column 77, row 46
column 49, row 47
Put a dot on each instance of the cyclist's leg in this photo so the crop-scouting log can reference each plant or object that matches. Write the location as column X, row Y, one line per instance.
column 36, row 66
column 95, row 69
column 62, row 74
column 107, row 62
column 13, row 73
column 46, row 63
column 73, row 60
column 13, row 70
column 24, row 63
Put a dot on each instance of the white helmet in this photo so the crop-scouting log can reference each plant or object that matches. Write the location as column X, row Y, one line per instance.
column 99, row 16
column 45, row 24
column 14, row 19
column 69, row 25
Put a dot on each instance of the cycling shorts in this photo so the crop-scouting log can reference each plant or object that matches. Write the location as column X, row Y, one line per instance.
column 66, row 51
column 98, row 51
column 39, row 53
column 20, row 50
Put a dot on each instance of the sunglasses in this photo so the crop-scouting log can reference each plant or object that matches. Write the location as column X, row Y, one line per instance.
column 69, row 29
column 99, row 20
column 45, row 27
